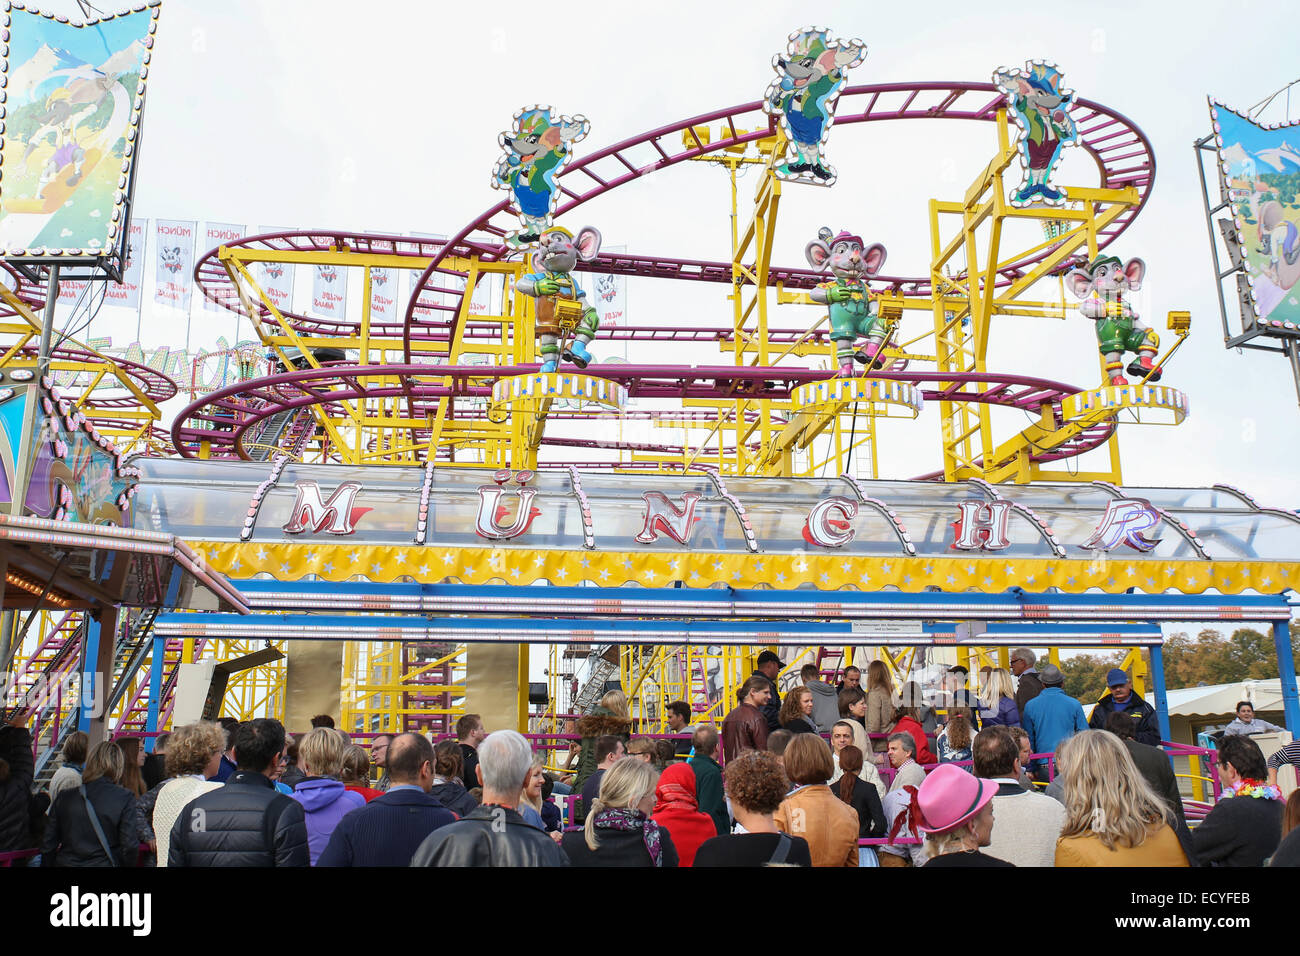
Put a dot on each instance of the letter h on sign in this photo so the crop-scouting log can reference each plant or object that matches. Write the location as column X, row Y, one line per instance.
column 982, row 526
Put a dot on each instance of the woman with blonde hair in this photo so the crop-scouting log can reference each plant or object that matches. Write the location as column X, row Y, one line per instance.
column 193, row 755
column 880, row 703
column 1112, row 816
column 71, row 839
column 619, row 830
column 609, row 718
column 325, row 801
column 998, row 700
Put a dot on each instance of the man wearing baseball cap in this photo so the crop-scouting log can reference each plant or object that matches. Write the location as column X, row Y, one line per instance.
column 957, row 817
column 768, row 667
column 1122, row 700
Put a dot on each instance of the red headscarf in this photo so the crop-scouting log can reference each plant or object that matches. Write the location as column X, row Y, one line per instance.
column 676, row 789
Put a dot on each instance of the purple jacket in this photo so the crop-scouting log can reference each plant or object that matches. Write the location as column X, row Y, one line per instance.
column 1008, row 714
column 324, row 802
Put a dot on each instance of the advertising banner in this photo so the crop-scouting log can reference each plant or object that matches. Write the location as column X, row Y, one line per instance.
column 276, row 278
column 1259, row 172
column 215, row 235
column 173, row 263
column 329, row 291
column 73, row 99
column 383, row 295
column 126, row 294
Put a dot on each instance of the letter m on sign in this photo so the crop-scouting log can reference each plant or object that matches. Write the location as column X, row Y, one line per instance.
column 311, row 514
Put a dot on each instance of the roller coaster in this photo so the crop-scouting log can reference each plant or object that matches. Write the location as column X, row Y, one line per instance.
column 440, row 384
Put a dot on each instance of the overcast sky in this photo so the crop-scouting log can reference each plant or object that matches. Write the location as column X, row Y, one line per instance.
column 384, row 116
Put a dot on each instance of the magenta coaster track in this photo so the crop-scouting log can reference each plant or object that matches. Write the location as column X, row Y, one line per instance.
column 153, row 383
column 1123, row 155
column 223, row 417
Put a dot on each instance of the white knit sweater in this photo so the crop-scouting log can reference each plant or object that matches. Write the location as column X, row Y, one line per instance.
column 171, row 801
column 1025, row 829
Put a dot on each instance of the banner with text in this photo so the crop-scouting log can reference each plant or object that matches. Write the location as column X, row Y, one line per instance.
column 276, row 278
column 126, row 294
column 383, row 295
column 329, row 291
column 173, row 263
column 216, row 234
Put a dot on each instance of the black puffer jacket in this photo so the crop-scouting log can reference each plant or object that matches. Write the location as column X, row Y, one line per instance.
column 70, row 838
column 244, row 823
column 489, row 836
column 15, row 788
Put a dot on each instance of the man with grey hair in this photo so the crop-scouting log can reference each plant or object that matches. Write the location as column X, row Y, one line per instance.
column 902, row 757
column 494, row 834
column 1028, row 683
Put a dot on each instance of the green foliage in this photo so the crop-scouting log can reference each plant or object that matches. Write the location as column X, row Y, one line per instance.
column 1210, row 658
column 1206, row 658
column 1085, row 675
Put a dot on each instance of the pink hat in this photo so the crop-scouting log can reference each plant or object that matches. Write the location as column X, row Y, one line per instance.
column 950, row 796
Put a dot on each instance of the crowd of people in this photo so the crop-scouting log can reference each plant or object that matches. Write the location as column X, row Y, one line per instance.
column 824, row 775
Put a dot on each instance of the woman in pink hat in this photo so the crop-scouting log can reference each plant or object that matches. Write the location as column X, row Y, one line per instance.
column 957, row 812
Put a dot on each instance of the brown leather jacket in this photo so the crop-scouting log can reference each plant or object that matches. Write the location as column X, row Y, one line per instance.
column 828, row 824
column 745, row 728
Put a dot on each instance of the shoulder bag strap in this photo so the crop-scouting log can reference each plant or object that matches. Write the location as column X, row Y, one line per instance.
column 94, row 822
column 782, row 850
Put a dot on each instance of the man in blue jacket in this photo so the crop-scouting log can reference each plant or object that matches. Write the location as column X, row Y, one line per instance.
column 1051, row 716
column 390, row 828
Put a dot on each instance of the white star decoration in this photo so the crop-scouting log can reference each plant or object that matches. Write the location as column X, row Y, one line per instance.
column 424, row 569
column 328, row 568
column 235, row 565
column 448, row 559
column 354, row 557
column 261, row 554
column 376, row 568
column 399, row 557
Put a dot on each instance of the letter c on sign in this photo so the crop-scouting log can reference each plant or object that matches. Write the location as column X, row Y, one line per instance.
column 828, row 521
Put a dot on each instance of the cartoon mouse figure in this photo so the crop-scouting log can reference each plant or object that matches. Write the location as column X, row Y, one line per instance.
column 558, row 294
column 1100, row 287
column 1039, row 104
column 852, row 312
column 808, row 84
column 536, row 151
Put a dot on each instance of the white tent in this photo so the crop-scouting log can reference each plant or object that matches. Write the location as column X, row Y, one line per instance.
column 1206, row 704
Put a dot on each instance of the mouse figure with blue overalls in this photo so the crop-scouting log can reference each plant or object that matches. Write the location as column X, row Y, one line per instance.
column 535, row 152
column 1100, row 287
column 853, row 314
column 803, row 96
column 563, row 315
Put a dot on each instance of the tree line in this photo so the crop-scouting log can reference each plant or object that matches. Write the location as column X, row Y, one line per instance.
column 1190, row 661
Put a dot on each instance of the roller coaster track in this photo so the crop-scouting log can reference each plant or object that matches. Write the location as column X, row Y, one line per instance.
column 240, row 407
column 1123, row 155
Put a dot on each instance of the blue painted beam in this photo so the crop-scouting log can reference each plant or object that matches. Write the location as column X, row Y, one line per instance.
column 1158, row 688
column 156, row 663
column 1286, row 674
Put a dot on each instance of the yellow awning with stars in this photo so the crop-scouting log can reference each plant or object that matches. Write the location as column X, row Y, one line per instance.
column 292, row 561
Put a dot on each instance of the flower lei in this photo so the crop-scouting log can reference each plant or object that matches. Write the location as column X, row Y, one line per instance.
column 1254, row 788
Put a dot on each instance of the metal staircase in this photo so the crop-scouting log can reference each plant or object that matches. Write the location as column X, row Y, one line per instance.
column 601, row 669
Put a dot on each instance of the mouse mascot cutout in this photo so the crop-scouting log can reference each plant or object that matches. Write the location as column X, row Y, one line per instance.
column 1039, row 103
column 852, row 313
column 803, row 97
column 562, row 309
column 1100, row 288
column 536, row 151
